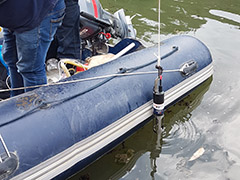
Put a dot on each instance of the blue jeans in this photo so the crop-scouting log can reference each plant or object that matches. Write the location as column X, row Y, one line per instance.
column 25, row 53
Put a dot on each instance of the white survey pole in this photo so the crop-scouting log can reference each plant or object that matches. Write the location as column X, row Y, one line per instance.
column 159, row 32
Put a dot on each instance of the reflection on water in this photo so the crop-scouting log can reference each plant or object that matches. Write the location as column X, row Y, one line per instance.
column 180, row 137
column 226, row 15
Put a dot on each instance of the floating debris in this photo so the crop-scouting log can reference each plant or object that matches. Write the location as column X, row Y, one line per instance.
column 124, row 158
column 197, row 154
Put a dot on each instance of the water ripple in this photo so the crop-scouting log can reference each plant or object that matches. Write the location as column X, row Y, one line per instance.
column 183, row 139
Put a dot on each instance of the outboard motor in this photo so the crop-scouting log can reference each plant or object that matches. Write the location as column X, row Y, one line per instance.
column 97, row 26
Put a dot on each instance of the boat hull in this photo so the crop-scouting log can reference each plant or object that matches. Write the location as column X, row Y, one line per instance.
column 56, row 130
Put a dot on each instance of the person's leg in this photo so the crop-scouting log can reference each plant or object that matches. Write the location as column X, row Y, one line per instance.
column 67, row 35
column 9, row 52
column 32, row 47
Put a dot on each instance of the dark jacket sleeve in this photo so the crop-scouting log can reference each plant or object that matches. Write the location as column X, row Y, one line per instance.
column 24, row 15
column 2, row 1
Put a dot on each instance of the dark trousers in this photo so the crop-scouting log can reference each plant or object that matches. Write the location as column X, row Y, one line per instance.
column 25, row 52
column 67, row 36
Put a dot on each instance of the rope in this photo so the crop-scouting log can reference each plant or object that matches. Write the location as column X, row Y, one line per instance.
column 90, row 79
column 126, row 71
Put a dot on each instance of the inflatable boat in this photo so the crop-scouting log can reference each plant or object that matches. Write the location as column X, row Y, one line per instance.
column 56, row 130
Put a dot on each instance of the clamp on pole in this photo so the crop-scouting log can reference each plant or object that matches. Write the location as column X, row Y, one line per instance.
column 158, row 94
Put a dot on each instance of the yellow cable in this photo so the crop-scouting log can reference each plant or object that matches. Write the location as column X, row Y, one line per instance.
column 63, row 66
column 75, row 64
column 66, row 70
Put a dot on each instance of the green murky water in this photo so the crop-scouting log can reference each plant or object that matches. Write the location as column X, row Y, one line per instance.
column 208, row 118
